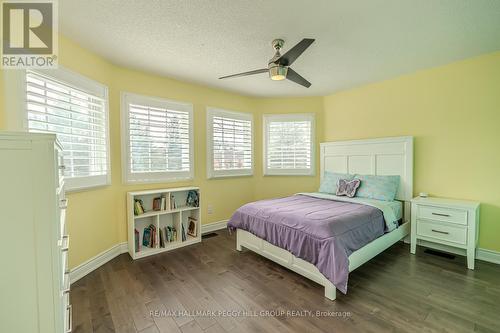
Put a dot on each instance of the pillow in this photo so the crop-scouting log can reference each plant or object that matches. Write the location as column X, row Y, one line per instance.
column 378, row 187
column 348, row 187
column 330, row 180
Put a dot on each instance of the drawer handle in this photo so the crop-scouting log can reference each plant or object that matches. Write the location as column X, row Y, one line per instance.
column 65, row 243
column 61, row 241
column 62, row 167
column 441, row 232
column 67, row 283
column 63, row 204
column 70, row 319
column 439, row 214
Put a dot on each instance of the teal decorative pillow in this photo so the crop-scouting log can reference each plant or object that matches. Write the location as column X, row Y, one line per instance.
column 330, row 180
column 378, row 187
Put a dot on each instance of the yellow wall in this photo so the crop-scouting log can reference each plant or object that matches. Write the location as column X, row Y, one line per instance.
column 453, row 112
column 449, row 109
column 97, row 218
column 273, row 186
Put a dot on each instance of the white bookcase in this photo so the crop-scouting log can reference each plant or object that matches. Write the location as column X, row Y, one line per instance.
column 175, row 215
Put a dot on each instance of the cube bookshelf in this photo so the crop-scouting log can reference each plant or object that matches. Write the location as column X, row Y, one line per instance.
column 174, row 214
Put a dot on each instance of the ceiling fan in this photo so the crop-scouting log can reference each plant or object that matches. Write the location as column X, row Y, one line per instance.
column 279, row 65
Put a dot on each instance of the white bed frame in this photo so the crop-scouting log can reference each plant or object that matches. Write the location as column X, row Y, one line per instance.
column 385, row 156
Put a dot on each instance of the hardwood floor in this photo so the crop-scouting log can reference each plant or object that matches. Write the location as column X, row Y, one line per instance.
column 172, row 292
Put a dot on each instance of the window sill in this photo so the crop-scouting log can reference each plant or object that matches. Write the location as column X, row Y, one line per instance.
column 157, row 180
column 236, row 175
column 81, row 184
column 288, row 173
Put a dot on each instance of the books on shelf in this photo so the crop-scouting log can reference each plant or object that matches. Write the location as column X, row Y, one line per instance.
column 138, row 207
column 149, row 236
column 161, row 220
column 160, row 203
column 167, row 235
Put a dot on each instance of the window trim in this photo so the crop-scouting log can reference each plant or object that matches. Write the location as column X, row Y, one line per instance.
column 267, row 119
column 211, row 173
column 152, row 177
column 81, row 82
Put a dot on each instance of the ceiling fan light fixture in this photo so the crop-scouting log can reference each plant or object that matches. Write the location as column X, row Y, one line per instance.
column 278, row 73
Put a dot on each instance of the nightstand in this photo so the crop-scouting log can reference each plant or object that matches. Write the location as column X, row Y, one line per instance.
column 454, row 223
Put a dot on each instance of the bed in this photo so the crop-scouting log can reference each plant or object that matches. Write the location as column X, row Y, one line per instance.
column 300, row 231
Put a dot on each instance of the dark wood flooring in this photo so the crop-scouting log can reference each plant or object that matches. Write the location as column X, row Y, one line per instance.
column 174, row 292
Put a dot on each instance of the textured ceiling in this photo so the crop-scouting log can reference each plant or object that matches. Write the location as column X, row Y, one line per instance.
column 357, row 41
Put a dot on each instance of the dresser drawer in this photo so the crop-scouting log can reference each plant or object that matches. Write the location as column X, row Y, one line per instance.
column 442, row 214
column 449, row 233
column 62, row 223
column 64, row 273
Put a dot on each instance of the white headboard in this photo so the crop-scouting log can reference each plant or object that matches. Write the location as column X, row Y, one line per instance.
column 383, row 156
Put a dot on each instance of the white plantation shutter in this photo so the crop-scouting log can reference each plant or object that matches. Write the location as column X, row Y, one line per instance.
column 230, row 145
column 289, row 144
column 74, row 108
column 158, row 135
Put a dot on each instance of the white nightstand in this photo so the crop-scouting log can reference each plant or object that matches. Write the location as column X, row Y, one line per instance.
column 448, row 222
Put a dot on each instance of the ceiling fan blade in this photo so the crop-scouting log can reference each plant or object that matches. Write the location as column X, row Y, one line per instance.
column 295, row 77
column 288, row 58
column 257, row 71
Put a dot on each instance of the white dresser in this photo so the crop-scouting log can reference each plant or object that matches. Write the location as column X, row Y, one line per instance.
column 448, row 222
column 34, row 277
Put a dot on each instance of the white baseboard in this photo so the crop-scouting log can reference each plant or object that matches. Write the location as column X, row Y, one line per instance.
column 488, row 255
column 481, row 254
column 206, row 228
column 93, row 263
column 105, row 256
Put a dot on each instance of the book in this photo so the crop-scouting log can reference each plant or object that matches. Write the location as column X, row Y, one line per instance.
column 153, row 235
column 138, row 207
column 174, row 234
column 163, row 203
column 192, row 226
column 157, row 203
column 169, row 233
column 162, row 238
column 183, row 233
column 137, row 242
column 173, row 204
column 146, row 237
column 192, row 199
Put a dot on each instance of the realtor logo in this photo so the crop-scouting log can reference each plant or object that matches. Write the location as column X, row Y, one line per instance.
column 29, row 34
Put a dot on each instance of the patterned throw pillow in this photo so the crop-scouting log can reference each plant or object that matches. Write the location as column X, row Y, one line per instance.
column 330, row 181
column 378, row 187
column 348, row 187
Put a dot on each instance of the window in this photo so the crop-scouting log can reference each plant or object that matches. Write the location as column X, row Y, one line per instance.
column 157, row 139
column 289, row 144
column 229, row 143
column 75, row 109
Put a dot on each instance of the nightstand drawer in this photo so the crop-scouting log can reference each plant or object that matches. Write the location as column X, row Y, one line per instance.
column 442, row 214
column 449, row 233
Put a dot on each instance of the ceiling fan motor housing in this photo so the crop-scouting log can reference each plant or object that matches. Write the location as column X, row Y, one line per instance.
column 277, row 72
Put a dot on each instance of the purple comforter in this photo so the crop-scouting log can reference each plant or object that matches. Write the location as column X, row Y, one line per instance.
column 320, row 231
